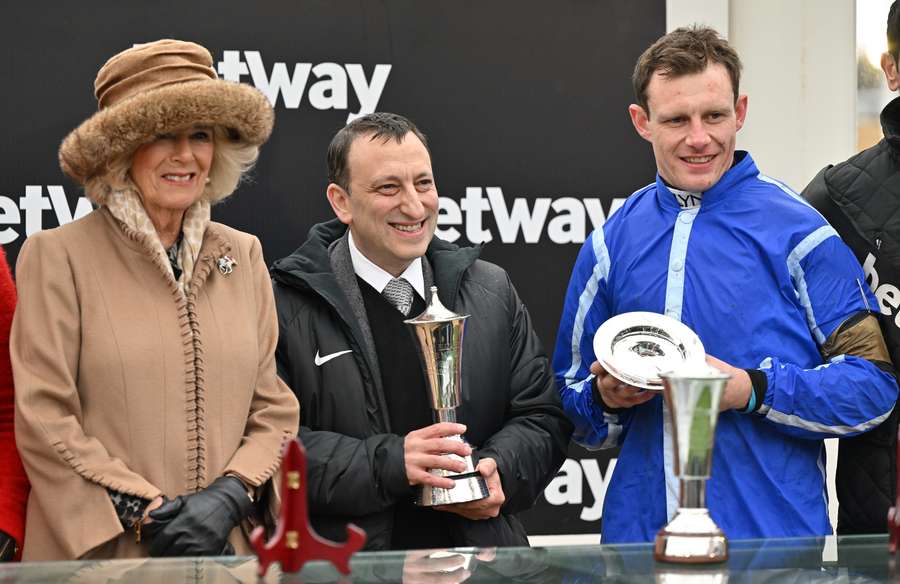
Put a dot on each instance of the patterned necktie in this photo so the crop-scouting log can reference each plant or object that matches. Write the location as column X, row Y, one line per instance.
column 399, row 292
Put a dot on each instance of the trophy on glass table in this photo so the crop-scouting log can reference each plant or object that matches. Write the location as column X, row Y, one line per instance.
column 658, row 353
column 439, row 334
column 692, row 395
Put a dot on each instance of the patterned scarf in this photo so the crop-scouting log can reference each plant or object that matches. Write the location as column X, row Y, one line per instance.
column 126, row 206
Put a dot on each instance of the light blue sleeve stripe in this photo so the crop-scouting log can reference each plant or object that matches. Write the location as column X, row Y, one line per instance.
column 789, row 191
column 613, row 430
column 798, row 422
column 821, row 464
column 587, row 296
column 803, row 249
column 783, row 187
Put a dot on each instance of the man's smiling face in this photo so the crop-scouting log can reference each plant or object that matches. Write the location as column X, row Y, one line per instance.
column 391, row 205
column 692, row 125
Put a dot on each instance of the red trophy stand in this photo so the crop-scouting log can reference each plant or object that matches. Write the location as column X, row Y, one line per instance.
column 295, row 542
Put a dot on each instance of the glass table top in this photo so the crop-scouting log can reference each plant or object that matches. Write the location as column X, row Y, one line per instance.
column 850, row 560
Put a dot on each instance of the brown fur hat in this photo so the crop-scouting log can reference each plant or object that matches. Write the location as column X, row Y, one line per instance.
column 155, row 88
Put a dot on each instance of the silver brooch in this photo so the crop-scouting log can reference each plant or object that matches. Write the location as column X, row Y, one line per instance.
column 226, row 264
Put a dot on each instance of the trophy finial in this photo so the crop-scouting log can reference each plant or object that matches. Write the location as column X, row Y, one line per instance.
column 436, row 312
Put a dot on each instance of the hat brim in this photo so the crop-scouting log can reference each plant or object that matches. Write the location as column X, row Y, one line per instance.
column 118, row 130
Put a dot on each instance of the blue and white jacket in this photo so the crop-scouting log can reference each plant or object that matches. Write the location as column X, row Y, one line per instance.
column 763, row 280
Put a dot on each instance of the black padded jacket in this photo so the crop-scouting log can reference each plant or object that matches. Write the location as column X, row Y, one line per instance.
column 355, row 463
column 861, row 199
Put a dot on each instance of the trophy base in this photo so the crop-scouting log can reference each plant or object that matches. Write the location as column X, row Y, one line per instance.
column 469, row 487
column 692, row 537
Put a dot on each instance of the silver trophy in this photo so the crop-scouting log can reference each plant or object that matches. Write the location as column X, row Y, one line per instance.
column 439, row 335
column 692, row 395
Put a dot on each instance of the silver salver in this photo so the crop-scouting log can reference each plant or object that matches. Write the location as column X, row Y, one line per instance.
column 636, row 347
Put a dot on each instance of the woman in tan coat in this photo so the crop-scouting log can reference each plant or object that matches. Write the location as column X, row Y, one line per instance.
column 149, row 415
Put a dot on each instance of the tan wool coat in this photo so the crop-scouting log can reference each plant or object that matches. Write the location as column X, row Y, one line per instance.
column 122, row 382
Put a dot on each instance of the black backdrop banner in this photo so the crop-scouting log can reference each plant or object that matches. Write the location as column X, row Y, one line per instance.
column 523, row 101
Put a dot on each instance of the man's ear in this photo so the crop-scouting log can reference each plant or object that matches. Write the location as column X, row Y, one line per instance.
column 740, row 111
column 889, row 66
column 641, row 120
column 340, row 202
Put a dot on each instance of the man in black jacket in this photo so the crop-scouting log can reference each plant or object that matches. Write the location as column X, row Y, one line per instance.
column 344, row 349
column 861, row 199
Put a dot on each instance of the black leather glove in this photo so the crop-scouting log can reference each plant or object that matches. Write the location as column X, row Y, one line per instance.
column 7, row 547
column 199, row 524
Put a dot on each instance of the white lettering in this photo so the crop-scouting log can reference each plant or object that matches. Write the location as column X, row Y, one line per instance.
column 369, row 93
column 565, row 488
column 887, row 294
column 61, row 206
column 9, row 215
column 888, row 297
column 329, row 91
column 474, row 205
column 34, row 205
column 510, row 222
column 568, row 227
column 448, row 214
column 291, row 88
column 231, row 68
column 567, row 222
column 869, row 270
column 598, row 484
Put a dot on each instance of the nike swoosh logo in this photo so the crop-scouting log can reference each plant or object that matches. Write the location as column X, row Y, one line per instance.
column 322, row 360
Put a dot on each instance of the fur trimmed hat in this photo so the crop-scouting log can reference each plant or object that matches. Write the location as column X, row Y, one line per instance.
column 155, row 88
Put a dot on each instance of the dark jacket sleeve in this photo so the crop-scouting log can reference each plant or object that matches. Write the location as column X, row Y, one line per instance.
column 532, row 444
column 348, row 475
column 352, row 476
column 816, row 193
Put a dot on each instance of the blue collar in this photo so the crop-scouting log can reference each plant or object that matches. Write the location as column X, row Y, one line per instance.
column 743, row 169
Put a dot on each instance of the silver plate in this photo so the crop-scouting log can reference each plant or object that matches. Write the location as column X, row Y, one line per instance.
column 636, row 347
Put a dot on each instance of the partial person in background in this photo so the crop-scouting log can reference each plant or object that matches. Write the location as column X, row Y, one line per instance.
column 13, row 481
column 773, row 293
column 861, row 199
column 149, row 415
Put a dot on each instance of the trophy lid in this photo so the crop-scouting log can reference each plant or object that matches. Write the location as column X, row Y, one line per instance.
column 436, row 312
column 637, row 347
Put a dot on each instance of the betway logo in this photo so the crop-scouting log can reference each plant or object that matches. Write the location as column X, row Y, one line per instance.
column 887, row 294
column 561, row 220
column 329, row 91
column 568, row 486
column 564, row 219
column 32, row 205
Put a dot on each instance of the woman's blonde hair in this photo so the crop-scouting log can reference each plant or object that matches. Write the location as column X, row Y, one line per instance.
column 232, row 159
